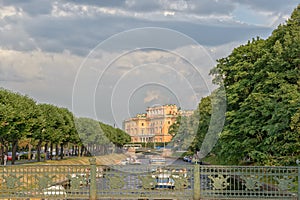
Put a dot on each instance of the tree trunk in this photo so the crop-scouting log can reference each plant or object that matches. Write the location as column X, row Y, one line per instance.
column 82, row 151
column 51, row 151
column 2, row 152
column 6, row 148
column 14, row 151
column 29, row 151
column 73, row 150
column 39, row 150
column 46, row 151
column 61, row 151
column 68, row 148
column 56, row 151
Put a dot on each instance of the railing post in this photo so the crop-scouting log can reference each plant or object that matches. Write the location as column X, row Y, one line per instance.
column 93, row 183
column 196, row 182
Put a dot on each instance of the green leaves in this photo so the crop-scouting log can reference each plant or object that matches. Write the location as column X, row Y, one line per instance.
column 263, row 97
column 98, row 137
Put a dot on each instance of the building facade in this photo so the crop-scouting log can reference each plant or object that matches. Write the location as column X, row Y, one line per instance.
column 153, row 126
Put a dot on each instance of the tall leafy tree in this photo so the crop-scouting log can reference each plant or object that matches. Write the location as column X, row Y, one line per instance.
column 263, row 95
column 67, row 128
column 15, row 123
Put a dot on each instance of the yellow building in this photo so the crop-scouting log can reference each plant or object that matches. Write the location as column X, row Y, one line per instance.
column 153, row 125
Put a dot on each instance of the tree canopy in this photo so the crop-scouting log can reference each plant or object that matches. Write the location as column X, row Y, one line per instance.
column 262, row 82
column 23, row 121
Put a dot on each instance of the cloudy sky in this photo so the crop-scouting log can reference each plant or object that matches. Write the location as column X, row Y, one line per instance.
column 111, row 59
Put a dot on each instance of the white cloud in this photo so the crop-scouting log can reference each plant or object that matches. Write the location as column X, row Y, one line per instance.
column 9, row 11
column 47, row 77
column 19, row 66
column 151, row 96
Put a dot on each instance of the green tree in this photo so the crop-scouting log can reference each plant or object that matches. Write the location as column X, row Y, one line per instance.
column 17, row 110
column 262, row 86
column 115, row 135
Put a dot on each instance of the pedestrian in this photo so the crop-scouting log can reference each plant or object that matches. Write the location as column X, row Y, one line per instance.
column 5, row 159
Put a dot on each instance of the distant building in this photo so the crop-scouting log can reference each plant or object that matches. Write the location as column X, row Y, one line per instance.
column 153, row 125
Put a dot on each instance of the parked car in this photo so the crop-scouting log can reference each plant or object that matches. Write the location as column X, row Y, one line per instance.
column 9, row 156
column 187, row 158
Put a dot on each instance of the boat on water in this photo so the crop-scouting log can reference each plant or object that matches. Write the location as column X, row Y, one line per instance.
column 134, row 161
column 157, row 160
column 164, row 181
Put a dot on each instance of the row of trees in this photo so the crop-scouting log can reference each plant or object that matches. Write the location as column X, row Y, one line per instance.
column 24, row 123
column 99, row 138
column 262, row 84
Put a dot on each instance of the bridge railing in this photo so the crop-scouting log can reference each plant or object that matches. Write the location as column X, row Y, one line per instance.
column 148, row 181
column 251, row 182
column 93, row 181
column 41, row 181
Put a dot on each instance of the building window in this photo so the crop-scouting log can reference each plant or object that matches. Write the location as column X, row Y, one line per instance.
column 169, row 122
column 142, row 124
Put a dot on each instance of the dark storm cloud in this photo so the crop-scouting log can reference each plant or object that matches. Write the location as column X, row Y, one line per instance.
column 80, row 35
column 218, row 35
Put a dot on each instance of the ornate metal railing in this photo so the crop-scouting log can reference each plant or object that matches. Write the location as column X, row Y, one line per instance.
column 148, row 182
column 30, row 181
column 235, row 182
